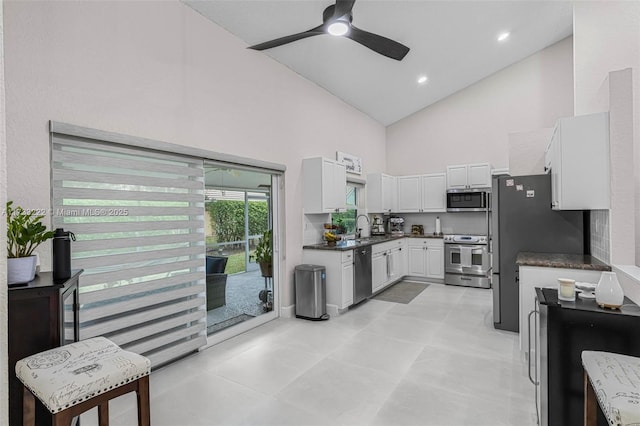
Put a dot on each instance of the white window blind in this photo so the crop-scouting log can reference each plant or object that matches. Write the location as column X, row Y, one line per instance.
column 138, row 217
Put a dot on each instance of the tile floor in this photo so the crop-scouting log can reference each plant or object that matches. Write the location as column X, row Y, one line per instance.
column 436, row 361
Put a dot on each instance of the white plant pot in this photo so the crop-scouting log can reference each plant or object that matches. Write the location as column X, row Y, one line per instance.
column 21, row 269
column 608, row 291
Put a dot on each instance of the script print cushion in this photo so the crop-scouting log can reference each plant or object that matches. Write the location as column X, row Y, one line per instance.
column 65, row 376
column 615, row 379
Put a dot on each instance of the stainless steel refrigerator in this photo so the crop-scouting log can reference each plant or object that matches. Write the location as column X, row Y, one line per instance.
column 522, row 220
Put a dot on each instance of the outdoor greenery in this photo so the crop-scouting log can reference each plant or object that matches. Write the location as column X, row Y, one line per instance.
column 227, row 219
column 25, row 231
column 235, row 263
column 264, row 250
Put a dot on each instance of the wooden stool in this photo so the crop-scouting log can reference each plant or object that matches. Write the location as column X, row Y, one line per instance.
column 72, row 379
column 613, row 381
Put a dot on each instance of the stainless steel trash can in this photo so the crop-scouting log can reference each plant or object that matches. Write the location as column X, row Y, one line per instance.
column 311, row 292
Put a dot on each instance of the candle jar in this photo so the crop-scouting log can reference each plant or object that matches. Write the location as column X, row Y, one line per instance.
column 566, row 289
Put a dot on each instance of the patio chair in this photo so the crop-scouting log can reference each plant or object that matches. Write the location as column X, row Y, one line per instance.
column 216, row 282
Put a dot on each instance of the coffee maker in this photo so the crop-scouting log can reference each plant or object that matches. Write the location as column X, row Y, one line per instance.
column 396, row 225
column 377, row 227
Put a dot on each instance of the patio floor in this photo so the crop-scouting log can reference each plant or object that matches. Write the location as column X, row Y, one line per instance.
column 242, row 301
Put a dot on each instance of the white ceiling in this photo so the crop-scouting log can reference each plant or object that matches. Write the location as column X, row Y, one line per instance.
column 453, row 42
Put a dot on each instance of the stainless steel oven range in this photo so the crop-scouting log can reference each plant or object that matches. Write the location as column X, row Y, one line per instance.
column 466, row 260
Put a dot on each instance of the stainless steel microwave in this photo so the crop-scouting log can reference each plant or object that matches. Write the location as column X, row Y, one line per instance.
column 468, row 200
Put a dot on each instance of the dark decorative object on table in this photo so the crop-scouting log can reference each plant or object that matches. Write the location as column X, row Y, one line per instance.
column 62, row 253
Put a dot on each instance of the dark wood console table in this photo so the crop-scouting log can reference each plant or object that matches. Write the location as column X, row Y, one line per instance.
column 43, row 314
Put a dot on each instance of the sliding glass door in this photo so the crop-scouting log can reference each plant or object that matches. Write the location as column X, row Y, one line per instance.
column 238, row 216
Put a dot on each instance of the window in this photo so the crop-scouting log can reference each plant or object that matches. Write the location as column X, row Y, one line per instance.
column 347, row 220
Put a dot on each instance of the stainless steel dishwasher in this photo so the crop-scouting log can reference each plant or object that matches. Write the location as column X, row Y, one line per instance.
column 361, row 274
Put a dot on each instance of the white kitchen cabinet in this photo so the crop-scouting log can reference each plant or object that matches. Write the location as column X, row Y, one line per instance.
column 409, row 194
column 531, row 277
column 378, row 270
column 382, row 193
column 426, row 257
column 422, row 193
column 469, row 176
column 417, row 259
column 339, row 276
column 388, row 263
column 434, row 193
column 578, row 156
column 435, row 259
column 347, row 279
column 324, row 185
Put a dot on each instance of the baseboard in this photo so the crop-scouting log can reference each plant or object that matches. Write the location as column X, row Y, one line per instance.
column 288, row 311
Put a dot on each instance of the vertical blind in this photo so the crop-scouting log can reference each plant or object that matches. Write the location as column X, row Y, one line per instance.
column 138, row 218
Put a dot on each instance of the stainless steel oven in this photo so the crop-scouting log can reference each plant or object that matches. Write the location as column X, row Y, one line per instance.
column 467, row 260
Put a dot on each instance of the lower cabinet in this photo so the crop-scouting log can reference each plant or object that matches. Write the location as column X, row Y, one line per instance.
column 378, row 269
column 347, row 279
column 426, row 257
column 531, row 277
column 339, row 276
column 388, row 262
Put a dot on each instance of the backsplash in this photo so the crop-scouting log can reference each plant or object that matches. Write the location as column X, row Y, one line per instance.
column 450, row 223
column 599, row 225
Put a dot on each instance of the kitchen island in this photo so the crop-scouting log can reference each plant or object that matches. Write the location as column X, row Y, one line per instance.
column 543, row 270
column 561, row 260
column 565, row 329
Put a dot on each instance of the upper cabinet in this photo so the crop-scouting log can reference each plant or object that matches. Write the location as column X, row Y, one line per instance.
column 467, row 176
column 382, row 193
column 324, row 185
column 578, row 159
column 422, row 193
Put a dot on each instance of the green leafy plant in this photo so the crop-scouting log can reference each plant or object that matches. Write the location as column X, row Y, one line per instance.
column 25, row 231
column 264, row 249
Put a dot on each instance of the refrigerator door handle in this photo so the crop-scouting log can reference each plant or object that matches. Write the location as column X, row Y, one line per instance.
column 495, row 285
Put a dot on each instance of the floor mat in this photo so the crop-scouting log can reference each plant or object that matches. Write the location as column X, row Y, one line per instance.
column 228, row 323
column 402, row 292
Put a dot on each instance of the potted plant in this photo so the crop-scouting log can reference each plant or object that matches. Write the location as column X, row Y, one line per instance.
column 25, row 232
column 264, row 254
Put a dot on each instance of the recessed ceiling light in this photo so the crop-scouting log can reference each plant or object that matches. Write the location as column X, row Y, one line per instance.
column 338, row 28
column 503, row 36
column 422, row 79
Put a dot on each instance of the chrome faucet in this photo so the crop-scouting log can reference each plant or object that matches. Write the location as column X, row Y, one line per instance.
column 359, row 230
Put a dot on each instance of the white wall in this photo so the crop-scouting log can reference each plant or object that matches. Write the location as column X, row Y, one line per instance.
column 606, row 39
column 4, row 377
column 159, row 70
column 473, row 124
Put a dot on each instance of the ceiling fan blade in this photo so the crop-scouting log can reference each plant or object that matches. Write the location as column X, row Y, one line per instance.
column 343, row 7
column 382, row 45
column 288, row 39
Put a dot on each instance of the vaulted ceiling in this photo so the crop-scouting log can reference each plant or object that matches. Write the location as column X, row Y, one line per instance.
column 453, row 43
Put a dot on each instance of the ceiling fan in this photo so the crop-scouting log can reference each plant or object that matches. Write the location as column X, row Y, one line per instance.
column 337, row 21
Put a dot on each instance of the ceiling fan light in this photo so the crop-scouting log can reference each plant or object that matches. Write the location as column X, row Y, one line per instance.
column 338, row 28
column 503, row 36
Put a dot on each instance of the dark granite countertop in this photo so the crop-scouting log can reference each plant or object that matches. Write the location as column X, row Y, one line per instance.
column 364, row 242
column 561, row 260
